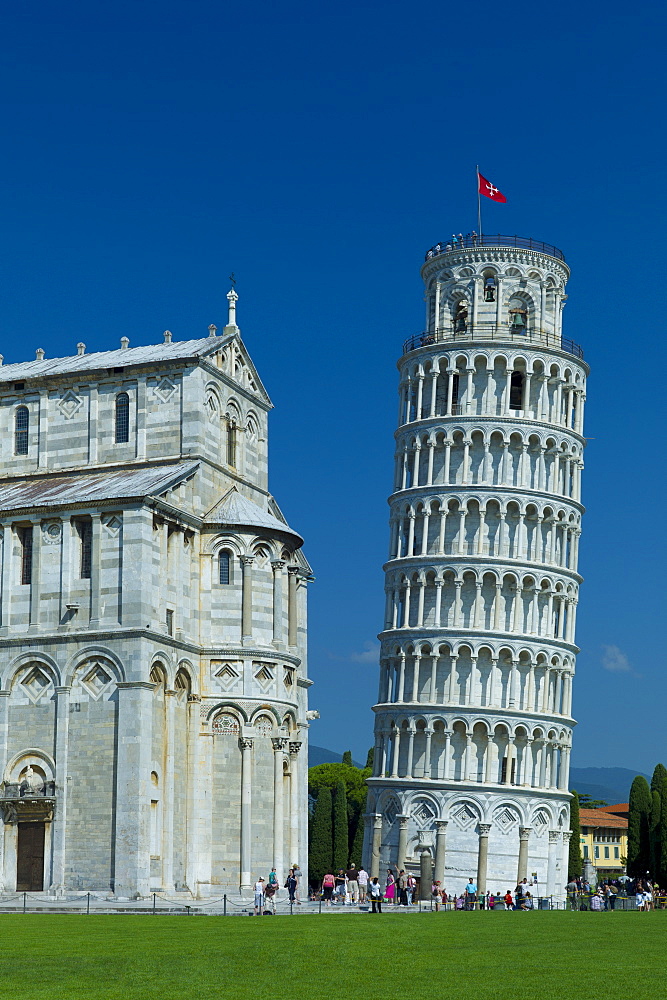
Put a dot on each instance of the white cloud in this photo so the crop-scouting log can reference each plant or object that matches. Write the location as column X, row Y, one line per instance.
column 369, row 654
column 615, row 660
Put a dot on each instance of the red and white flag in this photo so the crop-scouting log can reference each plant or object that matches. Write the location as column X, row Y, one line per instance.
column 488, row 189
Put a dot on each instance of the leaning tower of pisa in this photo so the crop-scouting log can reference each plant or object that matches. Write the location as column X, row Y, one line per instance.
column 473, row 722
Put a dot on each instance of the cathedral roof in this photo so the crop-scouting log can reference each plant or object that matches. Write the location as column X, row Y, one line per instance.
column 237, row 511
column 61, row 490
column 111, row 359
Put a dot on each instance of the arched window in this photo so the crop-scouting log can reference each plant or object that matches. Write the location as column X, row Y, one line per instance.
column 225, row 725
column 224, row 567
column 461, row 317
column 122, row 418
column 21, row 421
column 518, row 315
column 516, row 391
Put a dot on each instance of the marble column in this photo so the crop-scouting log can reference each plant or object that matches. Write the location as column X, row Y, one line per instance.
column 482, row 857
column 292, row 604
column 278, row 745
column 402, row 840
column 522, row 868
column 59, row 825
column 554, row 838
column 440, row 849
column 133, row 790
column 376, row 845
column 294, row 748
column 278, row 566
column 246, row 812
column 246, row 614
column 425, row 874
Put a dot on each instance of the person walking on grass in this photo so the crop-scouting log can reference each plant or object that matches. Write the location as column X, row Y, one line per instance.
column 375, row 892
column 471, row 895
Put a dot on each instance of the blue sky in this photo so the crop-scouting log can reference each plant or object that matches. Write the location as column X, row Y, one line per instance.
column 317, row 151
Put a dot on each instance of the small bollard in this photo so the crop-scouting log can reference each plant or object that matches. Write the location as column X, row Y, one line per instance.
column 153, row 904
column 88, row 905
column 188, row 909
column 25, row 896
column 291, row 908
column 224, row 905
column 320, row 910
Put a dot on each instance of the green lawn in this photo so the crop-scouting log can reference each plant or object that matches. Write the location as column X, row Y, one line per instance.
column 530, row 956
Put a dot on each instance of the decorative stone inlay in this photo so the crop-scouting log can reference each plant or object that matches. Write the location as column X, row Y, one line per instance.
column 264, row 674
column 506, row 819
column 69, row 404
column 225, row 724
column 422, row 812
column 96, row 681
column 464, row 817
column 51, row 532
column 113, row 524
column 164, row 390
column 35, row 683
column 226, row 672
column 264, row 726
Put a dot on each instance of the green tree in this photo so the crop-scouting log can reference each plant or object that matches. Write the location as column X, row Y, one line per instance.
column 587, row 802
column 320, row 859
column 639, row 812
column 654, row 833
column 659, row 775
column 662, row 875
column 574, row 860
column 370, row 756
column 357, row 841
column 347, row 758
column 340, row 827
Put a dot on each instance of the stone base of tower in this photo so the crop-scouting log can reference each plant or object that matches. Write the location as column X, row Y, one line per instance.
column 496, row 836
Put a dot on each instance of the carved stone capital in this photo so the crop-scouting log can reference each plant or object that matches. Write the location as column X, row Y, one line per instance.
column 524, row 832
column 279, row 742
column 294, row 747
column 484, row 829
column 245, row 744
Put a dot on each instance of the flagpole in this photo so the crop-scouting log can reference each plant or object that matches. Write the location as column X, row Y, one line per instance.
column 479, row 204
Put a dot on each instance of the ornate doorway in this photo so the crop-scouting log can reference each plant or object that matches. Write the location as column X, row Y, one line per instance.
column 30, row 857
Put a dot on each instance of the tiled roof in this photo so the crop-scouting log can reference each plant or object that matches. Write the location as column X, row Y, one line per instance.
column 55, row 490
column 236, row 510
column 121, row 358
column 598, row 818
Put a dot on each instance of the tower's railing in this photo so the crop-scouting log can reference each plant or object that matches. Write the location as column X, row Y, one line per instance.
column 472, row 240
column 482, row 333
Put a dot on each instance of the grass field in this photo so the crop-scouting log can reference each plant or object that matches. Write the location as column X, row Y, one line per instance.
column 531, row 956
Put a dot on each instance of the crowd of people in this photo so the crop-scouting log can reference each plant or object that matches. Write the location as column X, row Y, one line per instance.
column 647, row 894
column 266, row 890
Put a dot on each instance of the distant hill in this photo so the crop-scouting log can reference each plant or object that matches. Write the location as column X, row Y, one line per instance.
column 612, row 784
column 319, row 755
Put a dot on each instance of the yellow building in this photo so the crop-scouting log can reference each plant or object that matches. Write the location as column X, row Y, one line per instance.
column 604, row 838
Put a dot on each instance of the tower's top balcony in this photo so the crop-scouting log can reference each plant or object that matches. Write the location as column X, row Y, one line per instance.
column 495, row 288
column 473, row 241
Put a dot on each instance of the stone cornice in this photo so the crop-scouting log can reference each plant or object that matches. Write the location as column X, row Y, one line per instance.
column 479, row 565
column 479, row 636
column 487, row 422
column 468, row 788
column 473, row 491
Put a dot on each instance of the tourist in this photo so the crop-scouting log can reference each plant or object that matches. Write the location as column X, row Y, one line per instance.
column 328, row 884
column 341, row 887
column 459, row 902
column 572, row 889
column 352, row 876
column 436, row 892
column 402, row 886
column 509, row 902
column 270, row 890
column 390, row 887
column 291, row 884
column 363, row 884
column 471, row 894
column 411, row 888
column 273, row 880
column 298, row 875
column 597, row 901
column 375, row 890
column 259, row 896
column 613, row 892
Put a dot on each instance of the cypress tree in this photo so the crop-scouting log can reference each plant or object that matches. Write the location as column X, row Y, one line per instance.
column 369, row 758
column 340, row 830
column 357, row 848
column 654, row 833
column 639, row 814
column 321, row 836
column 574, row 859
column 662, row 874
column 659, row 775
column 347, row 758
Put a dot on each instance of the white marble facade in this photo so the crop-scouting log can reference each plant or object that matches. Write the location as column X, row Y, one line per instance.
column 473, row 721
column 153, row 698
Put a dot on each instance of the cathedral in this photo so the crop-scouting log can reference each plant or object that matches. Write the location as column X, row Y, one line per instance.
column 154, row 687
column 474, row 722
